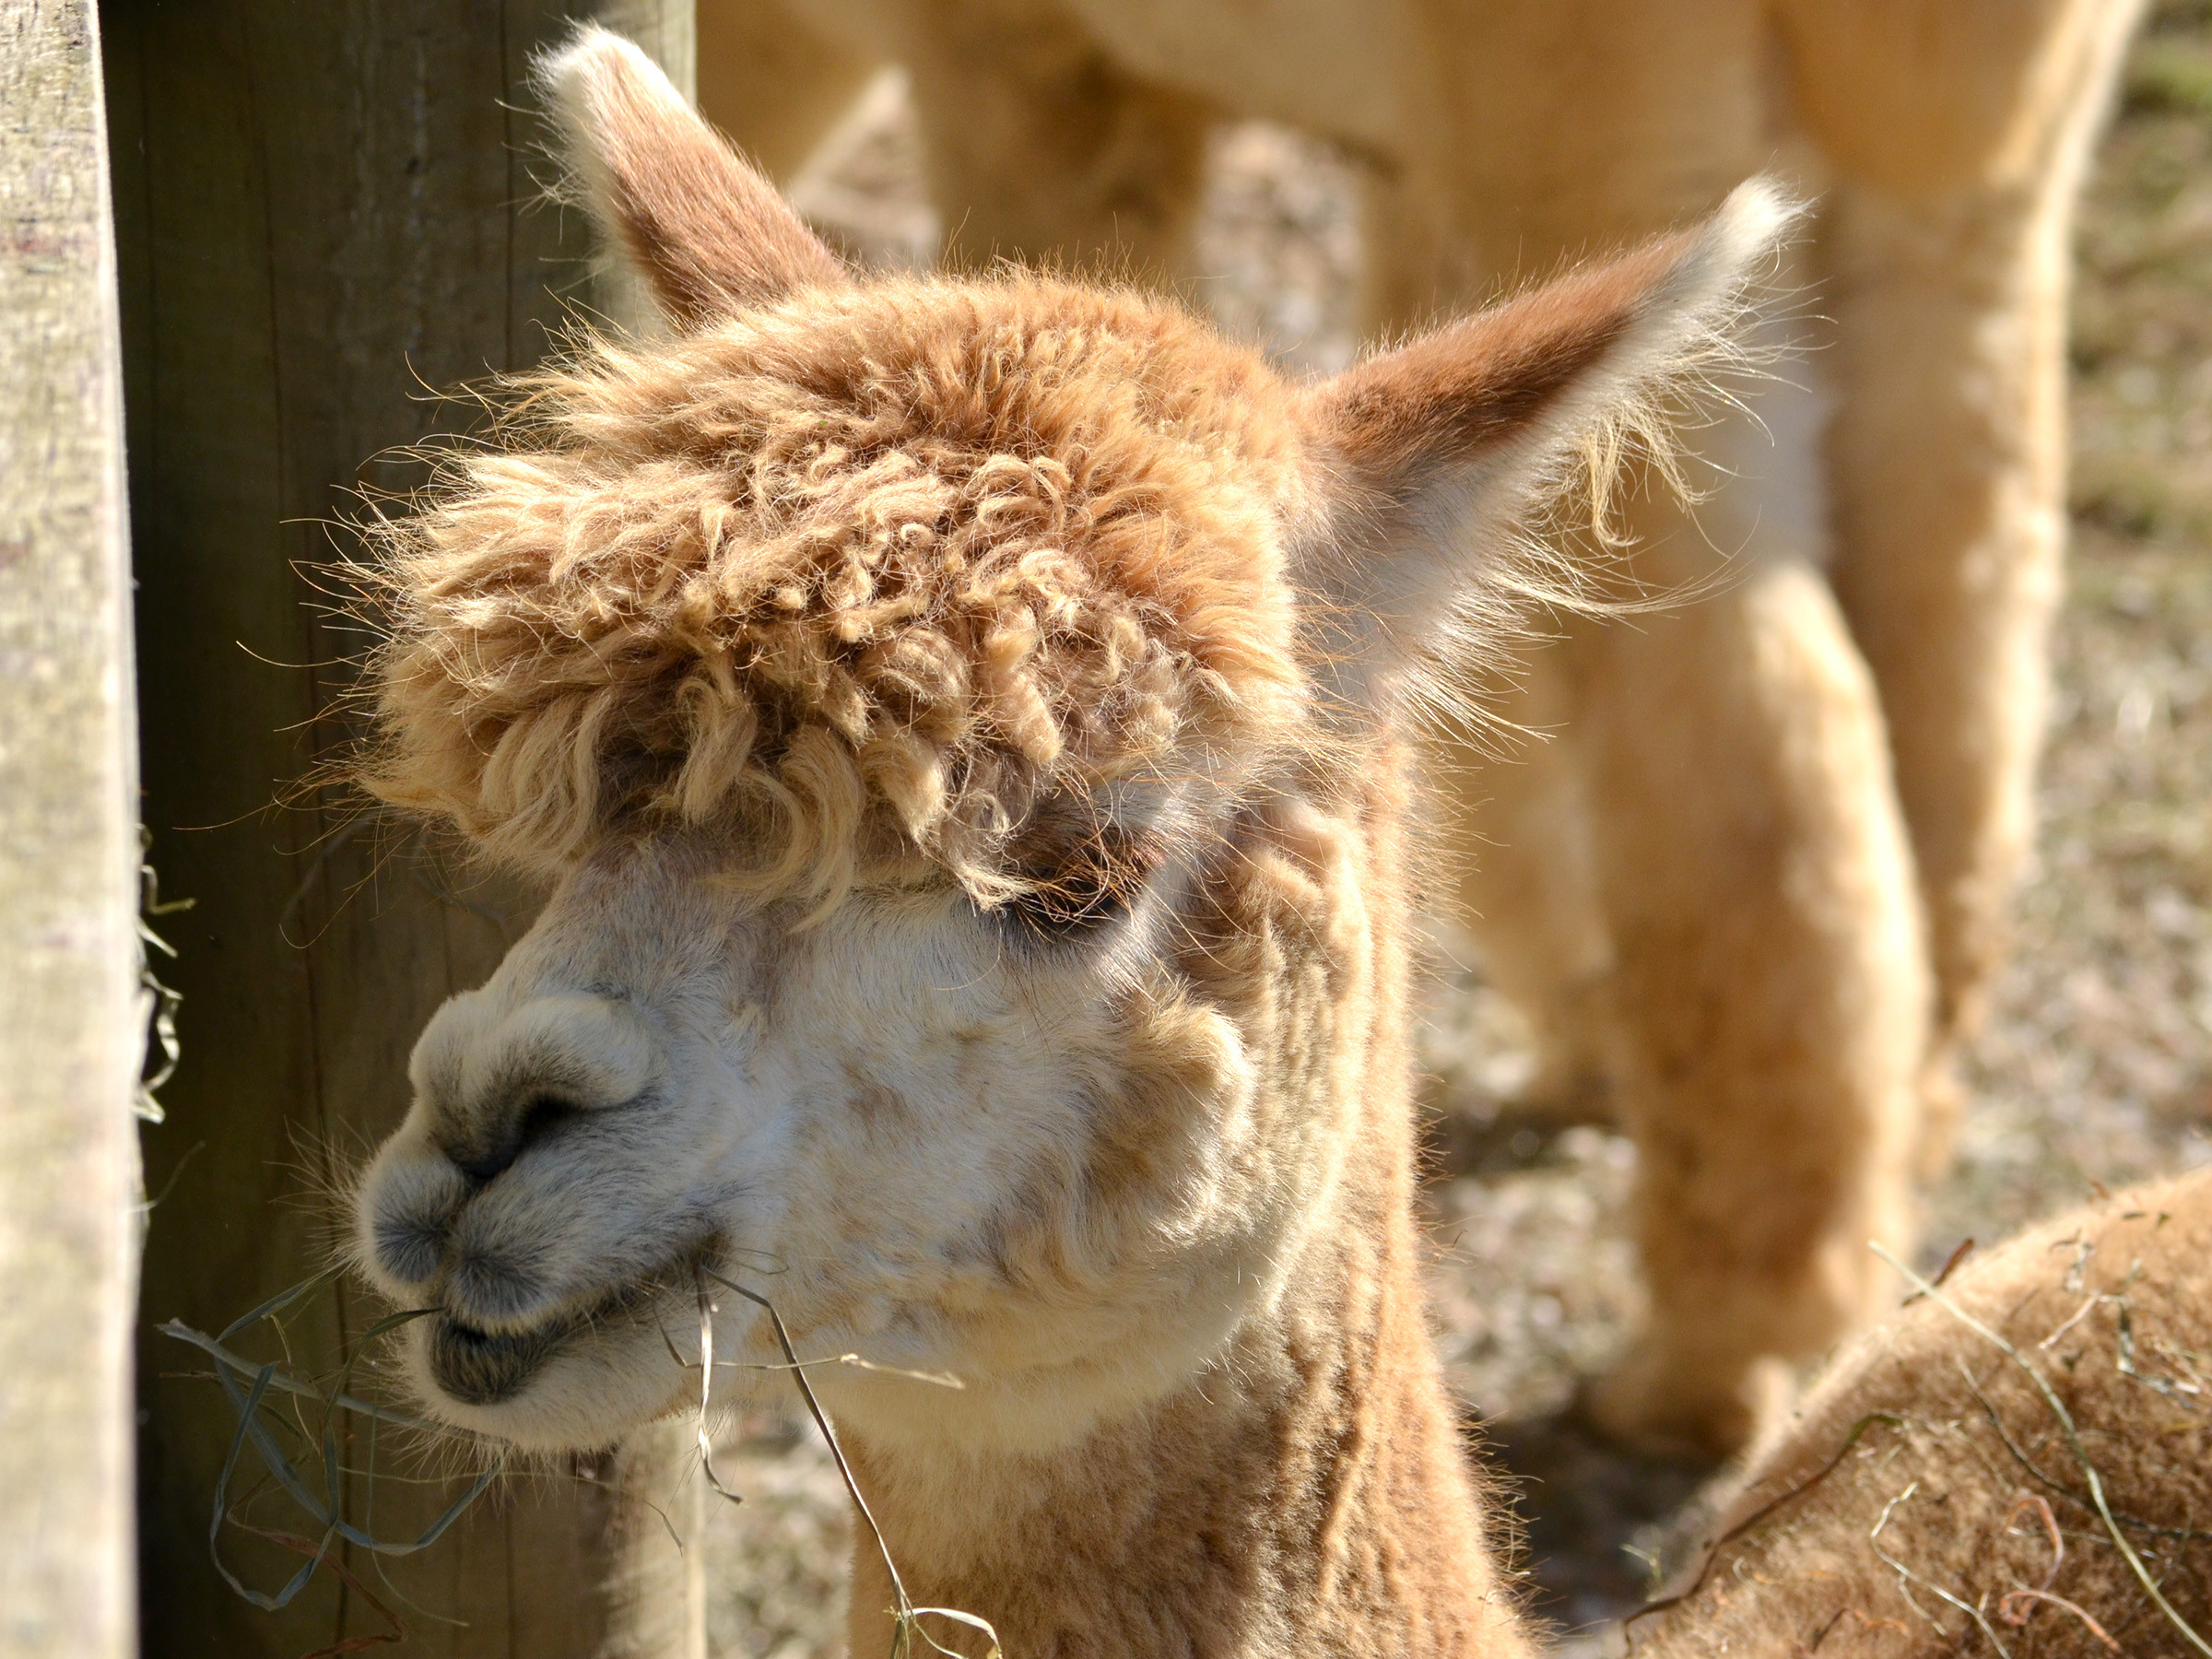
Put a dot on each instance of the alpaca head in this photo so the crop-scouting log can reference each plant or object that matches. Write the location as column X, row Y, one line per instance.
column 953, row 720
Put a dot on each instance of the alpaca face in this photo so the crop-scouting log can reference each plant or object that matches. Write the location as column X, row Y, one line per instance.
column 955, row 721
column 995, row 1145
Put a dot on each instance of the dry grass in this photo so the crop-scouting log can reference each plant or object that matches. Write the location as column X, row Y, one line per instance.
column 287, row 1479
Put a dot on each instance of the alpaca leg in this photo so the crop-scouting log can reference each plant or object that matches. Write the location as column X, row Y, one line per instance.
column 773, row 81
column 1951, row 263
column 1768, row 991
column 1949, row 472
column 1517, row 828
column 1040, row 147
column 1769, row 985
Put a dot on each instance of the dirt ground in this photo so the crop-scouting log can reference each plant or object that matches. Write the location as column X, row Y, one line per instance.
column 2096, row 1066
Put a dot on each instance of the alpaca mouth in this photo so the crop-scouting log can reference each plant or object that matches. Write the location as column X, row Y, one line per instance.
column 488, row 1368
column 484, row 1368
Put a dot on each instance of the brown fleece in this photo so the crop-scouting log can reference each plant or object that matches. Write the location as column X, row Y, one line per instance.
column 1927, row 1446
column 708, row 233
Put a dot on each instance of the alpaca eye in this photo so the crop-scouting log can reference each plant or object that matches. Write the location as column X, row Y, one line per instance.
column 1092, row 883
column 1066, row 909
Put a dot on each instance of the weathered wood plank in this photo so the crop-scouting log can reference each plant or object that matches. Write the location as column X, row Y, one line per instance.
column 321, row 208
column 71, row 1033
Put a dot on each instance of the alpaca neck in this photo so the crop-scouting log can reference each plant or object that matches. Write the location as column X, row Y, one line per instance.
column 1309, row 1492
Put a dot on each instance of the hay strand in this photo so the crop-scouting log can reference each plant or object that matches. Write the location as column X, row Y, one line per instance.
column 2065, row 1423
column 249, row 1385
column 906, row 1618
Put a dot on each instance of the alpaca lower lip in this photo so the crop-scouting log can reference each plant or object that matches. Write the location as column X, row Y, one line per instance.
column 484, row 1368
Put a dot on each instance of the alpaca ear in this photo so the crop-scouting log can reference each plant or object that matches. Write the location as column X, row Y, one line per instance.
column 1441, row 450
column 703, row 232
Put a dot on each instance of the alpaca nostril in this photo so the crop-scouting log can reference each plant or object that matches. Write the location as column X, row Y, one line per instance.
column 482, row 1165
column 483, row 1161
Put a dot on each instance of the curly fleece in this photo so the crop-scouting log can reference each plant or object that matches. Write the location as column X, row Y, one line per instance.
column 870, row 575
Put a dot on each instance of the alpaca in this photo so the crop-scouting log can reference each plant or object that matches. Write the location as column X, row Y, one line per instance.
column 1750, row 895
column 959, row 723
column 1926, row 1446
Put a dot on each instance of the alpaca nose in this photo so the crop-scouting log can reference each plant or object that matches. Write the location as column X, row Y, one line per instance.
column 494, row 1082
column 483, row 1157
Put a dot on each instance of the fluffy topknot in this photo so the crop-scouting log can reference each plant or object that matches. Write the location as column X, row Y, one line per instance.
column 868, row 574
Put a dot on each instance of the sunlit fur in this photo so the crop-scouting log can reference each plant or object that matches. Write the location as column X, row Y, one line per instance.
column 960, row 724
column 879, row 569
column 1926, row 1452
column 1750, row 892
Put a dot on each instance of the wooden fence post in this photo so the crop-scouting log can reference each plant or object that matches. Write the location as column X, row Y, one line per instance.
column 323, row 207
column 71, row 1030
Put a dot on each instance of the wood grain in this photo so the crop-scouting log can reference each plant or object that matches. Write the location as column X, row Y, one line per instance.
column 71, row 1033
column 324, row 212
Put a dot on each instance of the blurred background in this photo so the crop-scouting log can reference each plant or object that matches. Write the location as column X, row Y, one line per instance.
column 2096, row 1063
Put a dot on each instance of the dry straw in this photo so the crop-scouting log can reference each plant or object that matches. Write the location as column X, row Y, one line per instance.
column 1993, row 1612
column 2073, row 1438
column 906, row 1619
column 311, row 1478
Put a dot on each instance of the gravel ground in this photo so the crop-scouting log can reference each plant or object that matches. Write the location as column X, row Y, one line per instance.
column 2097, row 1062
